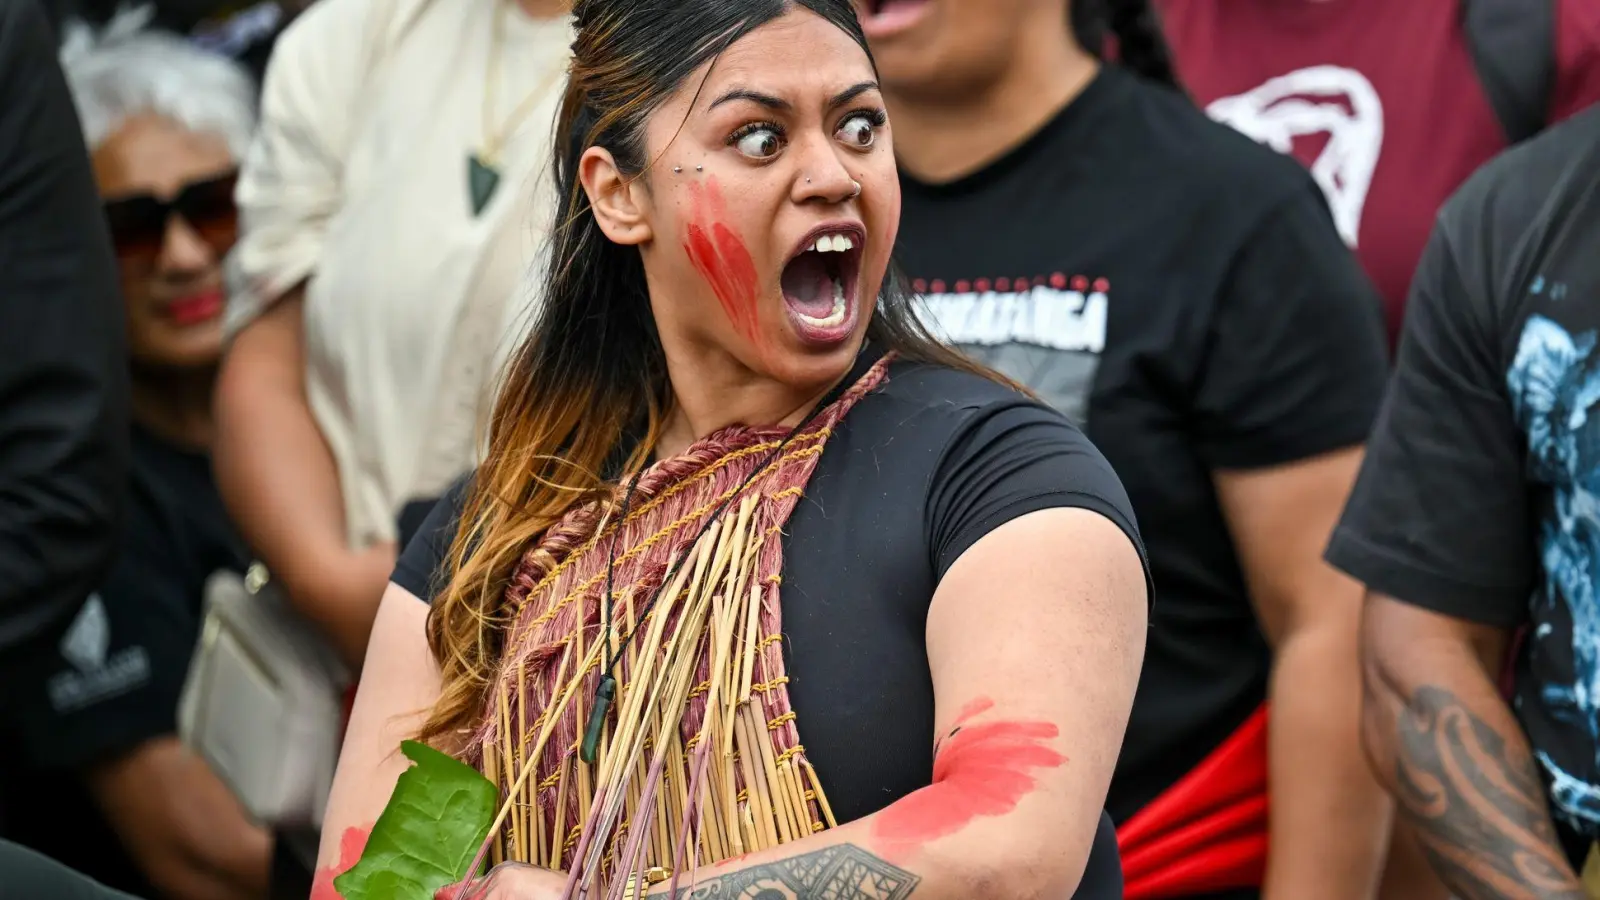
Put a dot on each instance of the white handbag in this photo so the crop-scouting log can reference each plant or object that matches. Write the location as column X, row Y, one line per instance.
column 262, row 702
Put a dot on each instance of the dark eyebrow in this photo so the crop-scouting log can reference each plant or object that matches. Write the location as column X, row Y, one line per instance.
column 766, row 100
column 782, row 105
column 850, row 93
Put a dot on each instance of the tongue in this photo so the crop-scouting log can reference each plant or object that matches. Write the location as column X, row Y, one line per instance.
column 808, row 286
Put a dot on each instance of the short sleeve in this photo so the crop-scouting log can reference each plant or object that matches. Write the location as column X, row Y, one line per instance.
column 290, row 183
column 114, row 678
column 1577, row 58
column 1440, row 514
column 1010, row 459
column 421, row 567
column 1297, row 356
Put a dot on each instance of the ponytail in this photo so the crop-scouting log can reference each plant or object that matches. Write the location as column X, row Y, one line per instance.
column 1135, row 27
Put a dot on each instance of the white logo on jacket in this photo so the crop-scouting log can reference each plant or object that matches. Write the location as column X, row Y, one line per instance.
column 97, row 676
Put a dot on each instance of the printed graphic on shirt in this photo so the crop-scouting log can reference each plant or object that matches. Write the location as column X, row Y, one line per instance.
column 95, row 675
column 1555, row 387
column 1333, row 105
column 1046, row 332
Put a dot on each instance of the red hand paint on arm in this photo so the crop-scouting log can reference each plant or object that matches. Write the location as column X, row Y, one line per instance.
column 351, row 844
column 722, row 259
column 978, row 770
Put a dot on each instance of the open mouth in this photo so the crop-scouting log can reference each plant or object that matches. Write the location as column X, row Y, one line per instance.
column 820, row 283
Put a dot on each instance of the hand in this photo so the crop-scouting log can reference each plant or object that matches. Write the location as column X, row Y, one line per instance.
column 508, row 881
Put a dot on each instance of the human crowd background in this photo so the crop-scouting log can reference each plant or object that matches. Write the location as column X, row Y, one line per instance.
column 1303, row 270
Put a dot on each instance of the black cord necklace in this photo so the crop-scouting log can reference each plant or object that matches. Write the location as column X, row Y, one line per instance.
column 606, row 691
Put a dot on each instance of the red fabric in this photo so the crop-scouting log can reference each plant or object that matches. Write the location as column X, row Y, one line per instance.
column 1577, row 57
column 1378, row 97
column 1208, row 832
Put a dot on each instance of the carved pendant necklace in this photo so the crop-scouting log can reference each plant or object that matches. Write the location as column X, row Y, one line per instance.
column 483, row 166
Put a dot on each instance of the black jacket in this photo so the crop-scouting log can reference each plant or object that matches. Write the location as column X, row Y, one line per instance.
column 63, row 365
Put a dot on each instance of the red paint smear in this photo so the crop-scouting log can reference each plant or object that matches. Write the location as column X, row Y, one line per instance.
column 350, row 846
column 981, row 770
column 722, row 259
column 980, row 705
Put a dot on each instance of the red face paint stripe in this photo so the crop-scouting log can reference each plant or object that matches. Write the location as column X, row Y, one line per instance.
column 739, row 270
column 722, row 259
column 351, row 843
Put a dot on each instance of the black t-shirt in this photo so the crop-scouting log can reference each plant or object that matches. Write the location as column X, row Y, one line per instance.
column 1182, row 294
column 113, row 680
column 919, row 470
column 1480, row 495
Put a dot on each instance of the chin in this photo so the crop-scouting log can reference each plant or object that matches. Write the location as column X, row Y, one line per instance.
column 802, row 362
column 191, row 353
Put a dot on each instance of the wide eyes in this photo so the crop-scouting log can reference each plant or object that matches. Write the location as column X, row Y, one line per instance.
column 763, row 141
column 858, row 131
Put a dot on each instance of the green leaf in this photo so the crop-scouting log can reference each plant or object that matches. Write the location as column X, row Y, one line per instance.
column 436, row 820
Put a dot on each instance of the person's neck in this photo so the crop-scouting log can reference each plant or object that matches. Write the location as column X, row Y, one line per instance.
column 945, row 137
column 712, row 391
column 175, row 406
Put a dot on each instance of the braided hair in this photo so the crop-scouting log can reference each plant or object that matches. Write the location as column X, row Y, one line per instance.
column 1134, row 25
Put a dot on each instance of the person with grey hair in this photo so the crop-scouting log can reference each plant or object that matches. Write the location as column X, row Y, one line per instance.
column 107, row 785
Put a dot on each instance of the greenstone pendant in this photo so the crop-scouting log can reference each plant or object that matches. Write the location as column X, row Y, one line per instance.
column 482, row 179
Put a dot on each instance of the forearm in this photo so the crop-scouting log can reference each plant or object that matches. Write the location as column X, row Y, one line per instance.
column 853, row 863
column 274, row 469
column 1328, row 821
column 183, row 826
column 836, row 865
column 279, row 479
column 1461, row 771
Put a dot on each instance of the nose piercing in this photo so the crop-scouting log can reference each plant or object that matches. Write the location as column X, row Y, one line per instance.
column 857, row 185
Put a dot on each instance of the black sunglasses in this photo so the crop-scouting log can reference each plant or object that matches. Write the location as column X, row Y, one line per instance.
column 139, row 221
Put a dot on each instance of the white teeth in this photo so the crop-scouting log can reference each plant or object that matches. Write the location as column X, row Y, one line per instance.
column 835, row 317
column 834, row 243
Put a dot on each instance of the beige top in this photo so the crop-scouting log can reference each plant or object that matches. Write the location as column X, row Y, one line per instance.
column 358, row 179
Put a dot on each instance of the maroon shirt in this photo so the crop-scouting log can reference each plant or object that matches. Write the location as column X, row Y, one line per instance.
column 1378, row 98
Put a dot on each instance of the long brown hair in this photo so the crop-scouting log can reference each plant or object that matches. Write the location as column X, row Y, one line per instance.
column 592, row 368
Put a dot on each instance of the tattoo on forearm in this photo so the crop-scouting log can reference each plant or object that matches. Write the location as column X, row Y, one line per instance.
column 1477, row 802
column 839, row 872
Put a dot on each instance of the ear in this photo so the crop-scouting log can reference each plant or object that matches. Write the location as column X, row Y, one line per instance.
column 618, row 201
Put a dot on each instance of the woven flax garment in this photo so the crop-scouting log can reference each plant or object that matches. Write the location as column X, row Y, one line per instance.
column 700, row 759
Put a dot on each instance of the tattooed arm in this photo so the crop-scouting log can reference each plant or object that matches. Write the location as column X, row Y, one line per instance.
column 1446, row 744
